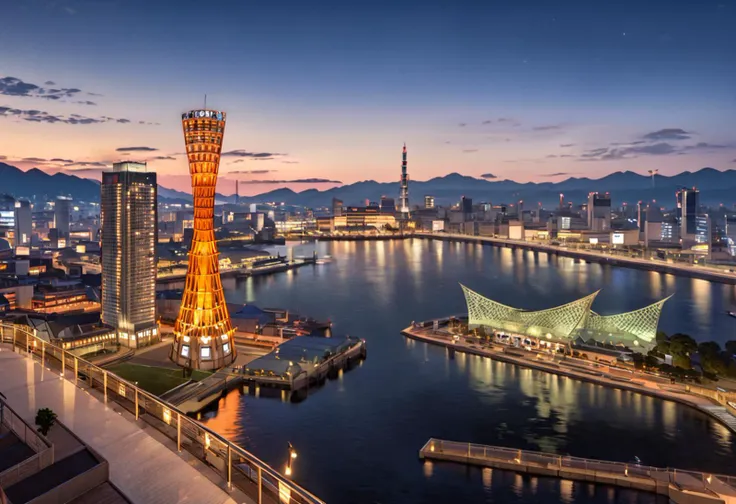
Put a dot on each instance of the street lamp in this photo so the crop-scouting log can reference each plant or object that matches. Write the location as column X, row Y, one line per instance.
column 292, row 456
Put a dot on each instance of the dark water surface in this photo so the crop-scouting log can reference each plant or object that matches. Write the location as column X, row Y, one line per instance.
column 359, row 435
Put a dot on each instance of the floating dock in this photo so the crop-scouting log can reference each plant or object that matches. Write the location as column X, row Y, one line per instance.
column 292, row 367
column 303, row 361
column 682, row 487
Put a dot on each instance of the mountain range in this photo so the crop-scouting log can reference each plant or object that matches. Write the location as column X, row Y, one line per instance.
column 715, row 187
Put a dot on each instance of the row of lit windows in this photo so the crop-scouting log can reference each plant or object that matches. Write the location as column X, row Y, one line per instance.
column 205, row 352
column 90, row 341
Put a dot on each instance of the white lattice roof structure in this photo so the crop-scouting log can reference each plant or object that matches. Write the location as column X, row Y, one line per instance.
column 566, row 322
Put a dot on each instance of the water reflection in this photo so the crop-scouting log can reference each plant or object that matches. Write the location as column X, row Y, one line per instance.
column 379, row 415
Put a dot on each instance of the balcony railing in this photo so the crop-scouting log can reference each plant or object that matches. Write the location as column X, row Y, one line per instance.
column 234, row 464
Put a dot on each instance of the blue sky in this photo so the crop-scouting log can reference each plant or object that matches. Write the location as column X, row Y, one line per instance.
column 330, row 90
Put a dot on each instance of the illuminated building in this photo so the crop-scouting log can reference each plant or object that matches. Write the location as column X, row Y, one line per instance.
column 404, row 195
column 568, row 322
column 23, row 222
column 128, row 253
column 429, row 201
column 203, row 332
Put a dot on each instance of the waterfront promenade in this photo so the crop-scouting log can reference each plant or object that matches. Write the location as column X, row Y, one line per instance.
column 155, row 452
column 584, row 371
column 142, row 466
column 682, row 487
column 712, row 273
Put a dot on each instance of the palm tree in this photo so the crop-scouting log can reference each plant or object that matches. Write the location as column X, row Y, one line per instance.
column 45, row 419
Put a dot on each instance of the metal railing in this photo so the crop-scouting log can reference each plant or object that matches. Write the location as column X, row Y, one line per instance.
column 43, row 450
column 690, row 480
column 234, row 464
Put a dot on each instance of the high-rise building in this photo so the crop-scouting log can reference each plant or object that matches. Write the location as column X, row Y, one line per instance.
column 337, row 207
column 203, row 334
column 404, row 194
column 62, row 215
column 23, row 222
column 388, row 205
column 7, row 217
column 599, row 211
column 466, row 205
column 429, row 201
column 688, row 202
column 128, row 253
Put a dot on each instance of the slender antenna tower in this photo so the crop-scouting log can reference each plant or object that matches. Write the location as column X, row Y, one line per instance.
column 404, row 194
column 205, row 101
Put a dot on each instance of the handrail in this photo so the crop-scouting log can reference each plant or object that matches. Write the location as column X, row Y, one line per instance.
column 434, row 444
column 285, row 490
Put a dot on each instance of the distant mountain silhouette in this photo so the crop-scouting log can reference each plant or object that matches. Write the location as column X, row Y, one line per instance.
column 715, row 186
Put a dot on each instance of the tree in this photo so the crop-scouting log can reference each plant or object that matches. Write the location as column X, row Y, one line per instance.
column 731, row 347
column 45, row 419
column 681, row 347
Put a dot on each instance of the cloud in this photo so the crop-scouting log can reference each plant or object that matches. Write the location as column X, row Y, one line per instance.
column 296, row 181
column 462, row 125
column 558, row 174
column 12, row 86
column 636, row 149
column 40, row 116
column 290, row 162
column 60, row 160
column 136, row 149
column 488, row 176
column 88, row 164
column 250, row 172
column 733, row 161
column 487, row 121
column 567, row 145
column 550, row 156
column 2, row 158
column 87, row 170
column 468, row 151
column 163, row 158
column 504, row 119
column 245, row 154
column 85, row 102
column 668, row 134
column 34, row 160
column 548, row 127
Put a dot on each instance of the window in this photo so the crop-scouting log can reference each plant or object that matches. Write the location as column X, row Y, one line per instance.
column 226, row 348
column 205, row 353
column 185, row 351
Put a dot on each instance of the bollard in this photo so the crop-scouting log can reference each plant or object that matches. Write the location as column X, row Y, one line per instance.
column 260, row 486
column 178, row 431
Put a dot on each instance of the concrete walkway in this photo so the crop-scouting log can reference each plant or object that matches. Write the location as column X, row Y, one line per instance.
column 142, row 463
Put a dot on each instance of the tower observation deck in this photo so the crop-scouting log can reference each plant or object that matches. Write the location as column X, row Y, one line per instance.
column 203, row 332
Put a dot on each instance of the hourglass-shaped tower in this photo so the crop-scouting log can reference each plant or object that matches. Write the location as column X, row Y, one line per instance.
column 203, row 333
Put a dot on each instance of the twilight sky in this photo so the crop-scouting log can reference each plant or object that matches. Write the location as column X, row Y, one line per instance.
column 319, row 91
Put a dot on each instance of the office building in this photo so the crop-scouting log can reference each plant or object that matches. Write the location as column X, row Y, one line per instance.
column 62, row 216
column 7, row 217
column 466, row 206
column 128, row 253
column 388, row 205
column 23, row 223
column 429, row 201
column 688, row 202
column 599, row 211
column 203, row 334
column 337, row 207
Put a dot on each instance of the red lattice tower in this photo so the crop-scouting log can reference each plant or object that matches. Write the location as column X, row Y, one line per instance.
column 203, row 333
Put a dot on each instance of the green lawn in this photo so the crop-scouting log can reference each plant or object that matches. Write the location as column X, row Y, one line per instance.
column 156, row 380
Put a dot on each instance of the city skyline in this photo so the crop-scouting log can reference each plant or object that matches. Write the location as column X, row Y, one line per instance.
column 329, row 93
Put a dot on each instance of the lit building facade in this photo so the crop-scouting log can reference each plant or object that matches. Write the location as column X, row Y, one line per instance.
column 428, row 201
column 203, row 332
column 23, row 222
column 128, row 253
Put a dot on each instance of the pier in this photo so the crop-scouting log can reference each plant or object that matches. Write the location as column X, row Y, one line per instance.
column 293, row 367
column 682, row 487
